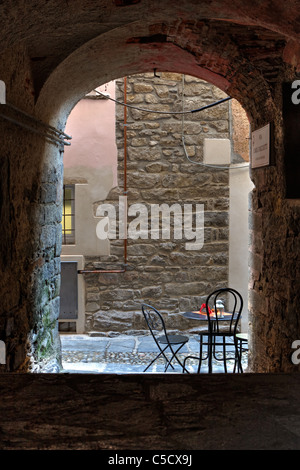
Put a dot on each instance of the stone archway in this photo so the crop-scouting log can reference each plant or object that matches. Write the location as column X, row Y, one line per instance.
column 199, row 49
column 39, row 41
column 246, row 50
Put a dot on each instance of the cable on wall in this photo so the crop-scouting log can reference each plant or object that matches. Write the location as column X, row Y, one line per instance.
column 217, row 167
column 48, row 132
column 183, row 112
column 167, row 112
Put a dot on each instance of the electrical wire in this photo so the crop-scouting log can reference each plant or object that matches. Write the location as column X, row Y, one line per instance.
column 49, row 132
column 51, row 138
column 165, row 112
column 183, row 112
column 217, row 167
column 46, row 126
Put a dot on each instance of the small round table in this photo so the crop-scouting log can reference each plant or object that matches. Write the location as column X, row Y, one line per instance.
column 202, row 316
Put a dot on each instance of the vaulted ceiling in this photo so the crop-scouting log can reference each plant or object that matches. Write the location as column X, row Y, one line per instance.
column 261, row 33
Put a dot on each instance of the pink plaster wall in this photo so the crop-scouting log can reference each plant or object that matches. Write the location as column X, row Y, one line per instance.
column 92, row 127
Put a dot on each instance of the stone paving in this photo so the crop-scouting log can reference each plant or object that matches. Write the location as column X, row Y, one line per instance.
column 125, row 355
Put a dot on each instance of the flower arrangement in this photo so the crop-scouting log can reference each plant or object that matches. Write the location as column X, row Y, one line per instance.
column 203, row 309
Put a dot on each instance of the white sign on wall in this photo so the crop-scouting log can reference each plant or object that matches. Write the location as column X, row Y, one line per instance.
column 260, row 147
column 2, row 92
column 2, row 352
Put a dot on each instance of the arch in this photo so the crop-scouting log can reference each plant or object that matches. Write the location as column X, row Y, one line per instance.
column 197, row 49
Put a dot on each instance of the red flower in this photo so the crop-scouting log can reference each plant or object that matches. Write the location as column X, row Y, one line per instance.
column 203, row 309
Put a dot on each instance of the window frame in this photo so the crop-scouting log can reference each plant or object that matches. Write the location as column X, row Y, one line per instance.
column 68, row 238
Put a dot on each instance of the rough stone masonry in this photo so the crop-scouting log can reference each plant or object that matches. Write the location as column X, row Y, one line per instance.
column 162, row 272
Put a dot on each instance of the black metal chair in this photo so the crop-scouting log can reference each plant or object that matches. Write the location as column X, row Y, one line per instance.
column 242, row 339
column 163, row 340
column 217, row 330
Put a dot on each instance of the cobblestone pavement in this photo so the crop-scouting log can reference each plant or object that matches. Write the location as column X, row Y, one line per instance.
column 126, row 355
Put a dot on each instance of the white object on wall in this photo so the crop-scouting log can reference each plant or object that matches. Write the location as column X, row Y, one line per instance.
column 2, row 92
column 217, row 151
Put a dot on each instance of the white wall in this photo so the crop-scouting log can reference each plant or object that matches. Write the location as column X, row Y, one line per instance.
column 218, row 152
column 240, row 187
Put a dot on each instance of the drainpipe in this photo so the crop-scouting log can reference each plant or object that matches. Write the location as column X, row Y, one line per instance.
column 117, row 271
column 125, row 168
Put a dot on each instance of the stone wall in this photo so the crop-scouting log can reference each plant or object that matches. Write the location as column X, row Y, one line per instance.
column 179, row 412
column 274, row 277
column 274, row 282
column 44, row 338
column 251, row 63
column 30, row 213
column 163, row 272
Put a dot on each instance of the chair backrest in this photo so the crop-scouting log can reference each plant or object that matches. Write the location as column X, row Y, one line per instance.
column 154, row 320
column 233, row 303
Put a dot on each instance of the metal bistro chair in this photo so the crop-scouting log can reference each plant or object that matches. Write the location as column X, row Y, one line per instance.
column 242, row 339
column 164, row 342
column 218, row 329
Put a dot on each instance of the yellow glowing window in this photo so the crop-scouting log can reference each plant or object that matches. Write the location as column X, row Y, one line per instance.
column 68, row 217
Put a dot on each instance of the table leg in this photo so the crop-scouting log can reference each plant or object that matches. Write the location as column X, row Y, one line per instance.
column 210, row 353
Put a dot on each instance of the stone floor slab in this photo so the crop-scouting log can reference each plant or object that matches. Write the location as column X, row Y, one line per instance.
column 126, row 354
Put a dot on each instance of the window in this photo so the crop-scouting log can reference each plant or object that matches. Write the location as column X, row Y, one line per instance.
column 291, row 116
column 68, row 218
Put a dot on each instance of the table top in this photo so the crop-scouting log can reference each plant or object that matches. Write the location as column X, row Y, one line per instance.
column 202, row 316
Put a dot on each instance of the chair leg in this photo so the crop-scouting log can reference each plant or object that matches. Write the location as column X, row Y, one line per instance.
column 224, row 355
column 201, row 357
column 196, row 357
column 184, row 367
column 238, row 355
column 161, row 353
column 200, row 354
column 210, row 353
column 152, row 362
column 235, row 358
column 174, row 356
column 168, row 361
